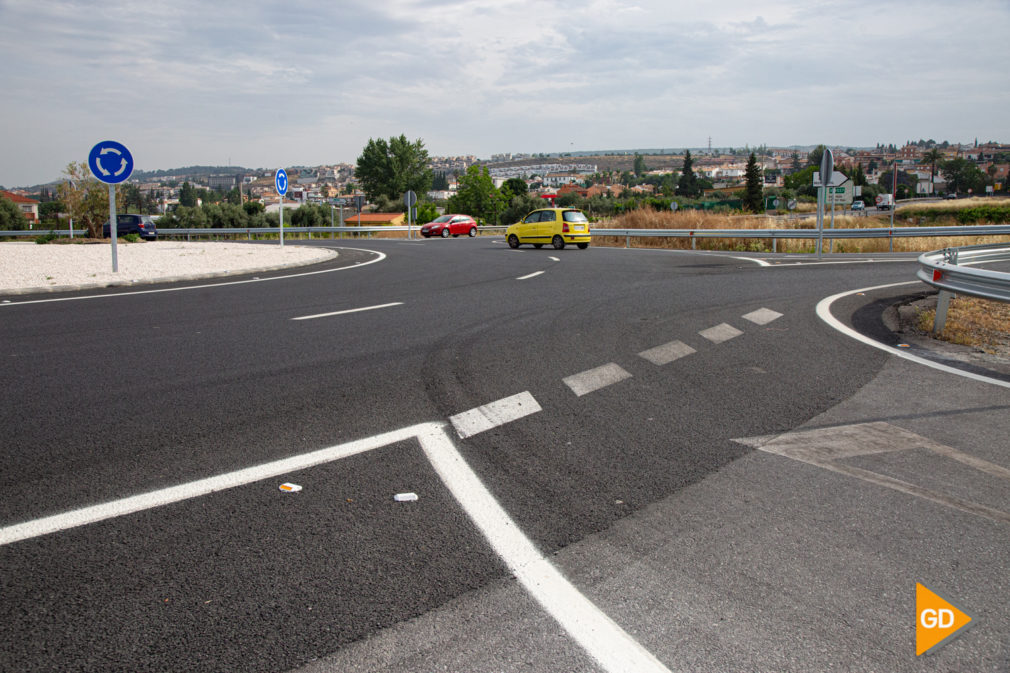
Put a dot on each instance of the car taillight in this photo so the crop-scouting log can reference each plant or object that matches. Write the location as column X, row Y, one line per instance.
column 564, row 228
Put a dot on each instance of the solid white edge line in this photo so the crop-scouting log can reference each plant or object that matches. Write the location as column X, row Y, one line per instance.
column 600, row 636
column 173, row 494
column 532, row 275
column 350, row 310
column 824, row 313
column 381, row 256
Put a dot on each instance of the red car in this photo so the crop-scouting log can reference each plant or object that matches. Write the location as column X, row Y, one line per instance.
column 450, row 225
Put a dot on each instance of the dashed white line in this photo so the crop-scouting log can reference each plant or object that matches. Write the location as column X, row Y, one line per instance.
column 762, row 316
column 474, row 421
column 667, row 353
column 528, row 276
column 350, row 310
column 594, row 379
column 720, row 333
column 554, row 259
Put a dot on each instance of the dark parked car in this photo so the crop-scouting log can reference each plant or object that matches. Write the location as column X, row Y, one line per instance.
column 142, row 225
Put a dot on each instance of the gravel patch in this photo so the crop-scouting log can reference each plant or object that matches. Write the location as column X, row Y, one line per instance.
column 29, row 267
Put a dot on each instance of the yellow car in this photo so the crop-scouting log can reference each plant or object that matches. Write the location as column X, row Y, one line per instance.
column 557, row 226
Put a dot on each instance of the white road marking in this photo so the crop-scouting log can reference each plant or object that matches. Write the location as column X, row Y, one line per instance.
column 829, row 447
column 667, row 353
column 594, row 379
column 602, row 638
column 357, row 265
column 474, row 421
column 193, row 489
column 350, row 310
column 824, row 313
column 720, row 333
column 532, row 275
column 555, row 259
column 762, row 316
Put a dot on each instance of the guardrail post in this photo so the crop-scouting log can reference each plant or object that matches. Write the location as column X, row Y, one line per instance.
column 775, row 245
column 692, row 241
column 627, row 241
column 942, row 304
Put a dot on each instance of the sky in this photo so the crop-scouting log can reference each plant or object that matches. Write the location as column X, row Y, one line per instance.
column 266, row 84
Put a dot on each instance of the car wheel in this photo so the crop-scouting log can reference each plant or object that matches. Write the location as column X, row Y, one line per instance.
column 445, row 233
column 582, row 246
column 558, row 242
column 472, row 232
column 513, row 241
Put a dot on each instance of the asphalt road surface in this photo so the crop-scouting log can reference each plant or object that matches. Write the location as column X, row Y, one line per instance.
column 623, row 460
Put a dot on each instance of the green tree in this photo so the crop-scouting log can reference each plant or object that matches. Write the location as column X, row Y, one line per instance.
column 795, row 167
column 963, row 175
column 932, row 157
column 426, row 212
column 11, row 217
column 753, row 199
column 513, row 187
column 87, row 199
column 187, row 195
column 519, row 206
column 477, row 196
column 640, row 167
column 252, row 208
column 440, row 182
column 802, row 182
column 688, row 184
column 392, row 168
column 814, row 158
column 858, row 176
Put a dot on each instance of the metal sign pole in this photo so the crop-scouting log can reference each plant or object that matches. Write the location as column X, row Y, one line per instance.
column 282, row 221
column 820, row 217
column 113, row 232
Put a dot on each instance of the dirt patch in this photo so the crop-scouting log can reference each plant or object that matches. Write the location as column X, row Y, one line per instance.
column 970, row 324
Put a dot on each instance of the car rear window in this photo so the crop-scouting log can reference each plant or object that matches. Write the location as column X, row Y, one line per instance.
column 574, row 216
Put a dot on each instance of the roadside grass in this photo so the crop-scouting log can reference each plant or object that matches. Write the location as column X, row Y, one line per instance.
column 980, row 323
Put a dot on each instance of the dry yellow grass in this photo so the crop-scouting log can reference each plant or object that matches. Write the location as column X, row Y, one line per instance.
column 980, row 323
column 955, row 205
column 646, row 218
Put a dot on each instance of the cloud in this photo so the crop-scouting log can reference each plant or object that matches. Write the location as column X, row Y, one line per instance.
column 274, row 83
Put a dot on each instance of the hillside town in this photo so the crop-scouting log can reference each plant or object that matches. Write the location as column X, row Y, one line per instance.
column 616, row 174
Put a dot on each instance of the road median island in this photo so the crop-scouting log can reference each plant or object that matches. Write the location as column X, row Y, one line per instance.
column 29, row 268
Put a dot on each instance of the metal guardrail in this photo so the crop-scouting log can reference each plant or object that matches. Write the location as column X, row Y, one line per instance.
column 627, row 234
column 248, row 231
column 948, row 271
column 777, row 234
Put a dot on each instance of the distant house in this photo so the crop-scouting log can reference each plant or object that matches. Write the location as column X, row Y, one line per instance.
column 29, row 207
